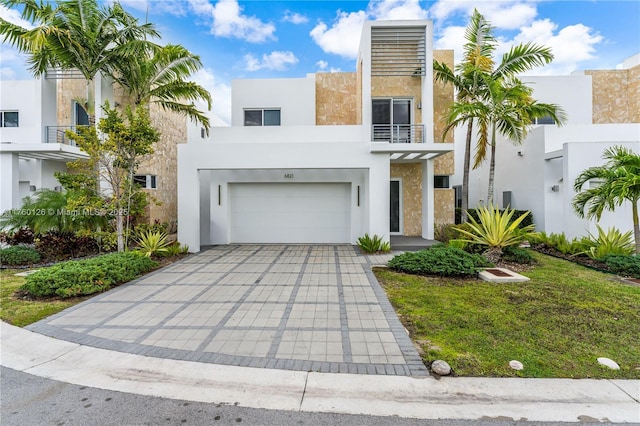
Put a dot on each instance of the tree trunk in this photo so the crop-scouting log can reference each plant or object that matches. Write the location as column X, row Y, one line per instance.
column 636, row 225
column 465, row 174
column 119, row 230
column 492, row 167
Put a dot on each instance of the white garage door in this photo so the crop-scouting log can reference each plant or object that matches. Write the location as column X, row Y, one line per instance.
column 290, row 212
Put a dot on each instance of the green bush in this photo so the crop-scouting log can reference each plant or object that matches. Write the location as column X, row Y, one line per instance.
column 373, row 244
column 438, row 260
column 627, row 266
column 83, row 277
column 609, row 242
column 19, row 255
column 152, row 243
column 528, row 220
column 558, row 242
column 517, row 255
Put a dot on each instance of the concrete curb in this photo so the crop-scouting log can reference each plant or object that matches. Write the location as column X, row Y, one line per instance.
column 426, row 398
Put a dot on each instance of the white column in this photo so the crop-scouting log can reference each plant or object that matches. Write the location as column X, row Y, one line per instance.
column 188, row 203
column 9, row 181
column 378, row 196
column 427, row 200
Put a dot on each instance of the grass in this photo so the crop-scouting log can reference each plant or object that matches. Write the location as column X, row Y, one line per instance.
column 21, row 312
column 557, row 324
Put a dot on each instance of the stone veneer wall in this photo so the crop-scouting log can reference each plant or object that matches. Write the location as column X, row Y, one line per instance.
column 164, row 164
column 398, row 87
column 411, row 176
column 616, row 95
column 68, row 90
column 336, row 98
column 444, row 203
column 443, row 97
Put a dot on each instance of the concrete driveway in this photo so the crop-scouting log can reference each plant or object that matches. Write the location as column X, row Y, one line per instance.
column 294, row 307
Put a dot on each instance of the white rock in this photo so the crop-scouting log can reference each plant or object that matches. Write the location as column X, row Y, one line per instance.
column 516, row 365
column 441, row 368
column 609, row 363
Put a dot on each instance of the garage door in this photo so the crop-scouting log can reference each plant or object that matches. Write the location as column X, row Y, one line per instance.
column 290, row 212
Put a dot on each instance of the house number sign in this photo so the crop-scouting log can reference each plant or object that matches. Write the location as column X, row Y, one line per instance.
column 288, row 175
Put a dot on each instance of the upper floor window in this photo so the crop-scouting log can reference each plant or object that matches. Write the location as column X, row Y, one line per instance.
column 441, row 181
column 81, row 118
column 261, row 117
column 9, row 118
column 146, row 181
column 547, row 119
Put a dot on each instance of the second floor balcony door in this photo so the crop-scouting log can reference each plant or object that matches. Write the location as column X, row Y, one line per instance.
column 391, row 119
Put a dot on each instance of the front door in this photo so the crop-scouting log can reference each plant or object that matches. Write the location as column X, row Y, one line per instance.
column 395, row 205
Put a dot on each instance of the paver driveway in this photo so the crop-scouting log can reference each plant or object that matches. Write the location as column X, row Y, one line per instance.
column 294, row 307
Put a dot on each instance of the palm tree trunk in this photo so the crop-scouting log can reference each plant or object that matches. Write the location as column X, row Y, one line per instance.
column 492, row 167
column 636, row 225
column 465, row 174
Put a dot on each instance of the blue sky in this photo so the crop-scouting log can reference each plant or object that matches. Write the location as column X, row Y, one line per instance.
column 265, row 39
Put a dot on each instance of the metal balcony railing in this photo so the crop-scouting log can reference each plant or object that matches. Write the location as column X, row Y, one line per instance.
column 398, row 133
column 58, row 134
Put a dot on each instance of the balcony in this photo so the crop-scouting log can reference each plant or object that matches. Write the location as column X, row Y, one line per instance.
column 58, row 134
column 405, row 143
column 398, row 133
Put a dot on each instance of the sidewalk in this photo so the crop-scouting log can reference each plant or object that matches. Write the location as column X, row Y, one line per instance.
column 427, row 398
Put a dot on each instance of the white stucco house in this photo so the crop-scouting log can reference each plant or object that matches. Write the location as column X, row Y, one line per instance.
column 34, row 116
column 324, row 158
column 603, row 110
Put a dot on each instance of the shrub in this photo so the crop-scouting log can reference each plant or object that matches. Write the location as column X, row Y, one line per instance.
column 496, row 230
column 438, row 260
column 373, row 244
column 445, row 232
column 145, row 228
column 611, row 242
column 152, row 243
column 628, row 266
column 21, row 236
column 517, row 255
column 62, row 245
column 83, row 277
column 558, row 242
column 528, row 220
column 19, row 255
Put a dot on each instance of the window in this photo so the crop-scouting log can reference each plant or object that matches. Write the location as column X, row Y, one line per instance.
column 391, row 119
column 441, row 182
column 146, row 181
column 547, row 119
column 262, row 117
column 9, row 118
column 81, row 116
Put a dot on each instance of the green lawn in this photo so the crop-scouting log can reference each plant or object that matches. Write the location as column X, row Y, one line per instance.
column 557, row 324
column 21, row 312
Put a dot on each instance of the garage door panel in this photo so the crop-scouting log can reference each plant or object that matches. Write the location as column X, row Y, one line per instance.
column 290, row 213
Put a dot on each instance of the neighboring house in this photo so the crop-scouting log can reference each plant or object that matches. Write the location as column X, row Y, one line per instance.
column 603, row 109
column 329, row 157
column 35, row 117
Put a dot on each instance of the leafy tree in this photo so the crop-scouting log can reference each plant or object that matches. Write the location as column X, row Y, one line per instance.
column 76, row 34
column 117, row 155
column 618, row 181
column 161, row 77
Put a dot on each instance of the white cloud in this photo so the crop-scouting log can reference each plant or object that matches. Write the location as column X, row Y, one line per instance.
column 228, row 21
column 13, row 16
column 322, row 65
column 343, row 38
column 396, row 10
column 570, row 45
column 502, row 14
column 7, row 73
column 294, row 18
column 220, row 114
column 276, row 60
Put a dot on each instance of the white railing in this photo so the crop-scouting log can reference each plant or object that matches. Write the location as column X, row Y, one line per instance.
column 58, row 134
column 398, row 133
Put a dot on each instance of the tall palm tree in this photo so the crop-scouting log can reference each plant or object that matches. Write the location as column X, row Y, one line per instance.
column 478, row 59
column 476, row 69
column 618, row 181
column 161, row 77
column 76, row 34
